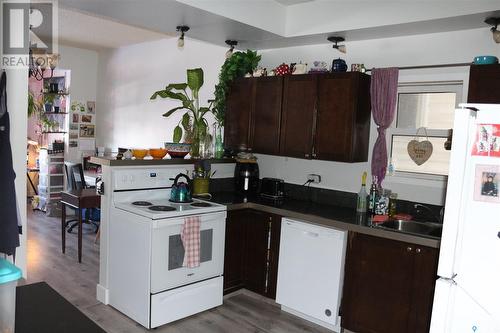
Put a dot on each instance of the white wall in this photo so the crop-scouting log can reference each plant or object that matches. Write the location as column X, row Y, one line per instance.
column 83, row 86
column 128, row 76
column 441, row 48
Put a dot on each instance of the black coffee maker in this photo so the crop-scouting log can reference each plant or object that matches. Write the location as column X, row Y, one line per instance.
column 246, row 177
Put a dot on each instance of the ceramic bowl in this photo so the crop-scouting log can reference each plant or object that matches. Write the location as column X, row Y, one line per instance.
column 485, row 60
column 139, row 153
column 157, row 153
column 178, row 150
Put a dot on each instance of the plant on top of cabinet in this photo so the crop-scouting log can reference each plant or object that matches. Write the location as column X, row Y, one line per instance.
column 193, row 121
column 239, row 64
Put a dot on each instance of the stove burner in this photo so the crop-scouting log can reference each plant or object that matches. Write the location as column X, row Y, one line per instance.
column 142, row 203
column 162, row 208
column 201, row 204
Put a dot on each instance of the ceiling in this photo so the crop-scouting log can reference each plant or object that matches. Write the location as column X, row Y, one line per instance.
column 263, row 24
column 292, row 2
column 92, row 32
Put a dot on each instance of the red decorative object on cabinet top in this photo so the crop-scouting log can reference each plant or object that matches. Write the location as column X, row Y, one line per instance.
column 282, row 69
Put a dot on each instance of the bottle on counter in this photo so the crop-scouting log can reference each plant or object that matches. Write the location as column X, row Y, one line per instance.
column 362, row 196
column 393, row 205
column 373, row 197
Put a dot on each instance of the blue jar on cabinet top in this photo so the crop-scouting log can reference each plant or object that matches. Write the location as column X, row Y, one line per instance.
column 339, row 65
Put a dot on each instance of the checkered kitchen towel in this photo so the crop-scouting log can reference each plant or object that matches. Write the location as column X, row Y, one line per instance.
column 190, row 235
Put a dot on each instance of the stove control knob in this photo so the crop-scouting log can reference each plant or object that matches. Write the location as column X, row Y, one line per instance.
column 131, row 179
column 124, row 178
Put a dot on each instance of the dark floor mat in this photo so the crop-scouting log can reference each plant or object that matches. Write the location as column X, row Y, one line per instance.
column 40, row 309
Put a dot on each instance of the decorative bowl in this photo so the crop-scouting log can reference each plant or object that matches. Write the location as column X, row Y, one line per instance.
column 157, row 153
column 485, row 60
column 178, row 150
column 139, row 153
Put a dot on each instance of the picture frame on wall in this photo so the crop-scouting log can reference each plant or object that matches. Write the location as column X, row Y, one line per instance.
column 73, row 127
column 75, row 118
column 87, row 131
column 486, row 184
column 86, row 118
column 73, row 135
column 91, row 107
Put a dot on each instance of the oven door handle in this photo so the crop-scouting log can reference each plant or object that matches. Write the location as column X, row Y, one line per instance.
column 178, row 221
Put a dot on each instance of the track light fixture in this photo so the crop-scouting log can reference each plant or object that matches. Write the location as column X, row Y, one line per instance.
column 335, row 40
column 232, row 44
column 494, row 21
column 182, row 29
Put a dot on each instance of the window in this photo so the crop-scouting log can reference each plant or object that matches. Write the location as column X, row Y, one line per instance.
column 424, row 104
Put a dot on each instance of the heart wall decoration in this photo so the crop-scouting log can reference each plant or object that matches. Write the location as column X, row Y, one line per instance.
column 420, row 151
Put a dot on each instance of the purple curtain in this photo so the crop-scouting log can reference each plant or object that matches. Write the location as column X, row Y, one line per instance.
column 383, row 90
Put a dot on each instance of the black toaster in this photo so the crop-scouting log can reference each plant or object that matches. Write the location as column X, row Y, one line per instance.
column 272, row 188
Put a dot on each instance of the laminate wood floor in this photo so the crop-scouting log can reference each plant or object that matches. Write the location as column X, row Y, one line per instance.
column 241, row 313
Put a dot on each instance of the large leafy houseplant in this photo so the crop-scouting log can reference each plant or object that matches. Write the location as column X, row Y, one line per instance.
column 193, row 121
column 239, row 64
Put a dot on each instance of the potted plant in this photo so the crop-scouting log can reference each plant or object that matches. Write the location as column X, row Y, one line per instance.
column 238, row 65
column 35, row 106
column 48, row 100
column 193, row 122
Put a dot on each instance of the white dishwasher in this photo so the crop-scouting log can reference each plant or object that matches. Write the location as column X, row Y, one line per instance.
column 311, row 272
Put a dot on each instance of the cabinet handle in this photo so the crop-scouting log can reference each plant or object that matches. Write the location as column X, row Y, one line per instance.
column 409, row 249
column 418, row 250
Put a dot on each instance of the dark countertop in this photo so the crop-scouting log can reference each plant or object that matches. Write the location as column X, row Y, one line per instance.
column 112, row 161
column 342, row 218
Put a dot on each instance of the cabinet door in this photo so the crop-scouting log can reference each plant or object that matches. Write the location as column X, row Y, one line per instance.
column 378, row 285
column 299, row 103
column 484, row 83
column 239, row 104
column 274, row 250
column 424, row 282
column 255, row 252
column 233, row 254
column 343, row 117
column 266, row 116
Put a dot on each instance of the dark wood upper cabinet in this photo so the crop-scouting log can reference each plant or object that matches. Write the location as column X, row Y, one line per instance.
column 343, row 117
column 239, row 105
column 388, row 286
column 299, row 104
column 266, row 115
column 320, row 116
column 484, row 83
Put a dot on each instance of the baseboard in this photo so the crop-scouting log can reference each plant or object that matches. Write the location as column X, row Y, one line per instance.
column 102, row 294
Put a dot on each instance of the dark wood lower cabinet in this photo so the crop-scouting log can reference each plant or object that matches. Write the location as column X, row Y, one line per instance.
column 233, row 252
column 251, row 253
column 388, row 286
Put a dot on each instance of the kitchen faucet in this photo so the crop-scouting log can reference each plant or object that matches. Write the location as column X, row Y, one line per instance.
column 439, row 219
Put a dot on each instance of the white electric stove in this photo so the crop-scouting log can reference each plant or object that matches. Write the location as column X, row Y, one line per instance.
column 147, row 281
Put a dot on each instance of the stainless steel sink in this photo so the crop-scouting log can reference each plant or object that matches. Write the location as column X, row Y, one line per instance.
column 425, row 229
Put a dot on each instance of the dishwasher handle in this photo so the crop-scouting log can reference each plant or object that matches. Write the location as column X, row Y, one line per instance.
column 313, row 230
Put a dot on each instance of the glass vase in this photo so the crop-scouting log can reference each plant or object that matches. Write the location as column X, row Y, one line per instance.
column 219, row 145
column 195, row 143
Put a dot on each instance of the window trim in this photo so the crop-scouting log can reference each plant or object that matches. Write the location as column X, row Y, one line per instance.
column 422, row 87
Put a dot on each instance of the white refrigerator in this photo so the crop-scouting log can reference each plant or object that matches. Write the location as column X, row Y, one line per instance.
column 467, row 295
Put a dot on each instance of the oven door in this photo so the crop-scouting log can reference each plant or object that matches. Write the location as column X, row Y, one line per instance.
column 168, row 252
